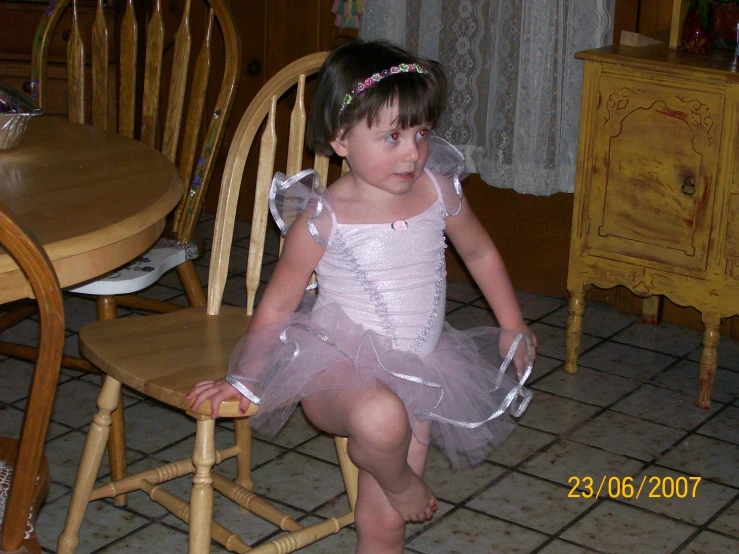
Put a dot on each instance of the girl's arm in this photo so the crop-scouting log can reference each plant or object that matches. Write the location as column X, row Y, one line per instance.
column 286, row 288
column 483, row 261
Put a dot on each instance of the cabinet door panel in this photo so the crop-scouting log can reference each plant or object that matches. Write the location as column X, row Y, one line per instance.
column 656, row 149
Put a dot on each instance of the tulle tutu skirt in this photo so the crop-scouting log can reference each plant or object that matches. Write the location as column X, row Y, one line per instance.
column 468, row 387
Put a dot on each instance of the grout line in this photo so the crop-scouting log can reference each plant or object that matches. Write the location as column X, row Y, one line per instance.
column 122, row 537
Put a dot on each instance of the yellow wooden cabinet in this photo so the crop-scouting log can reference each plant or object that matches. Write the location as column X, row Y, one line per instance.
column 656, row 205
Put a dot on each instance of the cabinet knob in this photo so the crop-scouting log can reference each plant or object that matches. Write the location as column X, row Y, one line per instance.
column 254, row 68
column 688, row 186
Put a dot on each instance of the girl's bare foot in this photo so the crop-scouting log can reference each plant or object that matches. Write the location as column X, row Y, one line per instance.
column 415, row 503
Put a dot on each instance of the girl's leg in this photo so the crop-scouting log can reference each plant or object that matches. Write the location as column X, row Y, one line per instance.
column 376, row 424
column 380, row 529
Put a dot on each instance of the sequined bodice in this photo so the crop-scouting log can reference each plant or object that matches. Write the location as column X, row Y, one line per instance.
column 390, row 280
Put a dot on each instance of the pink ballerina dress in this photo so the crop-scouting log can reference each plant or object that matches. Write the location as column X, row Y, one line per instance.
column 378, row 315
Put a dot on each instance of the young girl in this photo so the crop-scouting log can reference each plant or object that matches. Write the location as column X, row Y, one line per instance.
column 370, row 356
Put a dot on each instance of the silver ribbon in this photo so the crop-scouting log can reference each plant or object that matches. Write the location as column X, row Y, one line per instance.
column 281, row 182
column 239, row 386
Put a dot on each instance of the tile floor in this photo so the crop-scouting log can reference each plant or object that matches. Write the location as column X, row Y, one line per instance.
column 628, row 413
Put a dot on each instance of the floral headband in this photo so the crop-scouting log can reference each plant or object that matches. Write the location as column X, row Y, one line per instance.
column 375, row 78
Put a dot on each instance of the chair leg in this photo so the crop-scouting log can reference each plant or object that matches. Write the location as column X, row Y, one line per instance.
column 92, row 456
column 201, row 496
column 191, row 283
column 243, row 459
column 349, row 472
column 117, row 449
column 30, row 354
column 106, row 309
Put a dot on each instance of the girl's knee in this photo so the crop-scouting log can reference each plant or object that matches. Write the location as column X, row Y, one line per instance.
column 381, row 419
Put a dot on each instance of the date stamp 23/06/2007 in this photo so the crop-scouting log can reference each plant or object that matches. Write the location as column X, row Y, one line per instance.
column 626, row 487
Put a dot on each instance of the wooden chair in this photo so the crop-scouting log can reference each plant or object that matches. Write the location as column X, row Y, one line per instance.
column 176, row 138
column 195, row 344
column 24, row 470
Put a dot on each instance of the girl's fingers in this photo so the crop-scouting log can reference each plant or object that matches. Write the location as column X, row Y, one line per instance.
column 197, row 392
column 199, row 387
column 215, row 401
column 216, row 392
column 197, row 402
column 201, row 383
column 203, row 396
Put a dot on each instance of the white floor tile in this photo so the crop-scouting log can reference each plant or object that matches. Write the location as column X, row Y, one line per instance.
column 619, row 529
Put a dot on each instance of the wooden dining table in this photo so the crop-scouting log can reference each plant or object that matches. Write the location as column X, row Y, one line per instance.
column 94, row 199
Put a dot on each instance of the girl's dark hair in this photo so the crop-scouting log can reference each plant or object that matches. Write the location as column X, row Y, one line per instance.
column 421, row 97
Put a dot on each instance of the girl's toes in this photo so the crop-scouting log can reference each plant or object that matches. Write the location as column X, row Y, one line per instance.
column 431, row 508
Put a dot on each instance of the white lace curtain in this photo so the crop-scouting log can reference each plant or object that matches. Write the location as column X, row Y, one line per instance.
column 514, row 101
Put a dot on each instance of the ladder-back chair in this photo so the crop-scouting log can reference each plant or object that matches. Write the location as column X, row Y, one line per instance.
column 24, row 470
column 190, row 139
column 195, row 344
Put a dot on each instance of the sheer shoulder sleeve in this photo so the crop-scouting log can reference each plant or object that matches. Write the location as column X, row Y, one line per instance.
column 447, row 165
column 291, row 196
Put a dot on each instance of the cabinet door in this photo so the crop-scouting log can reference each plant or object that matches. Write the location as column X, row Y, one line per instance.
column 655, row 154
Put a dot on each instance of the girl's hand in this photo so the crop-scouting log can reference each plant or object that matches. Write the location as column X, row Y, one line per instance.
column 521, row 358
column 526, row 330
column 217, row 392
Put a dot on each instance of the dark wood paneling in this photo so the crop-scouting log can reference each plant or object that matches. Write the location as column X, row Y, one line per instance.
column 626, row 17
column 273, row 35
column 531, row 232
column 654, row 16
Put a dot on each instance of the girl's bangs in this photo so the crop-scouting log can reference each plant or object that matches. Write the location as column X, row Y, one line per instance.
column 417, row 98
column 417, row 105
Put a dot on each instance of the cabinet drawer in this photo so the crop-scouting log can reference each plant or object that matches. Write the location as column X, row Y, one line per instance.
column 655, row 153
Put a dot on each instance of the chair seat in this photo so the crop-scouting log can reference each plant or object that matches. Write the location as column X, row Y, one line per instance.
column 143, row 271
column 197, row 347
column 8, row 455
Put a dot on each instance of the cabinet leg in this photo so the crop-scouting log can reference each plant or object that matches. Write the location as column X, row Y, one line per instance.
column 709, row 359
column 651, row 308
column 573, row 338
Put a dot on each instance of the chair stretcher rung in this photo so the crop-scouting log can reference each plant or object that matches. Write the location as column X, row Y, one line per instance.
column 253, row 503
column 181, row 509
